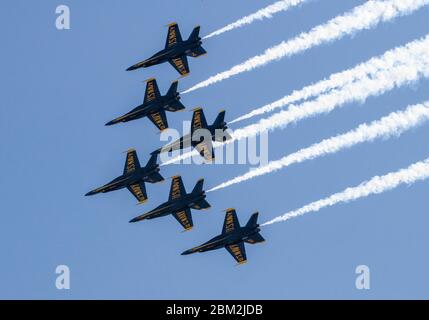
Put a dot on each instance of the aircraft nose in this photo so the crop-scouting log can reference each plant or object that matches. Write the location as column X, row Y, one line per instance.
column 134, row 67
column 184, row 253
column 90, row 193
column 109, row 123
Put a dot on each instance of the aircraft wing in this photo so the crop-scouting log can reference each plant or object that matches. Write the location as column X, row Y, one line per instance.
column 132, row 162
column 152, row 91
column 139, row 191
column 237, row 251
column 159, row 119
column 177, row 189
column 231, row 221
column 173, row 36
column 184, row 217
column 198, row 120
column 180, row 64
column 205, row 149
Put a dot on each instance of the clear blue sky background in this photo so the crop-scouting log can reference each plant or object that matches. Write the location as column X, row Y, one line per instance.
column 58, row 88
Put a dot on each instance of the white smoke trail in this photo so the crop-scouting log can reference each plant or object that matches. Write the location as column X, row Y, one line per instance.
column 362, row 17
column 394, row 124
column 378, row 184
column 263, row 13
column 336, row 80
column 415, row 67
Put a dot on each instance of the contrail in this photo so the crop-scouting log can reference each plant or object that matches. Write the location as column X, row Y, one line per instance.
column 263, row 13
column 394, row 124
column 362, row 17
column 340, row 79
column 378, row 184
column 415, row 67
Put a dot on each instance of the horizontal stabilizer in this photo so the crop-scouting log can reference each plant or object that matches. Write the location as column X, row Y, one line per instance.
column 155, row 177
column 175, row 106
column 197, row 52
column 256, row 238
column 201, row 205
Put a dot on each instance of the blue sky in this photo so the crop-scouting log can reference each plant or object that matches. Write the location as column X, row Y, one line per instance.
column 60, row 87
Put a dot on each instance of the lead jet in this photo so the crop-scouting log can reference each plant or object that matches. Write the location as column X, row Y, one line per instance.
column 176, row 50
column 233, row 237
column 154, row 106
column 134, row 177
column 179, row 204
column 201, row 135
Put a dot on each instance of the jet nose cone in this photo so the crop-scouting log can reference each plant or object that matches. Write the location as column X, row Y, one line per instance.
column 110, row 123
column 136, row 66
column 89, row 193
column 137, row 219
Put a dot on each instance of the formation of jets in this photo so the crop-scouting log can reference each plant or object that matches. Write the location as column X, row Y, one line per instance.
column 180, row 203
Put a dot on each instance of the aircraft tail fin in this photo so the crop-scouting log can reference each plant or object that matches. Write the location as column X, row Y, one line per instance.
column 195, row 33
column 152, row 160
column 253, row 221
column 173, row 88
column 220, row 120
column 198, row 186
